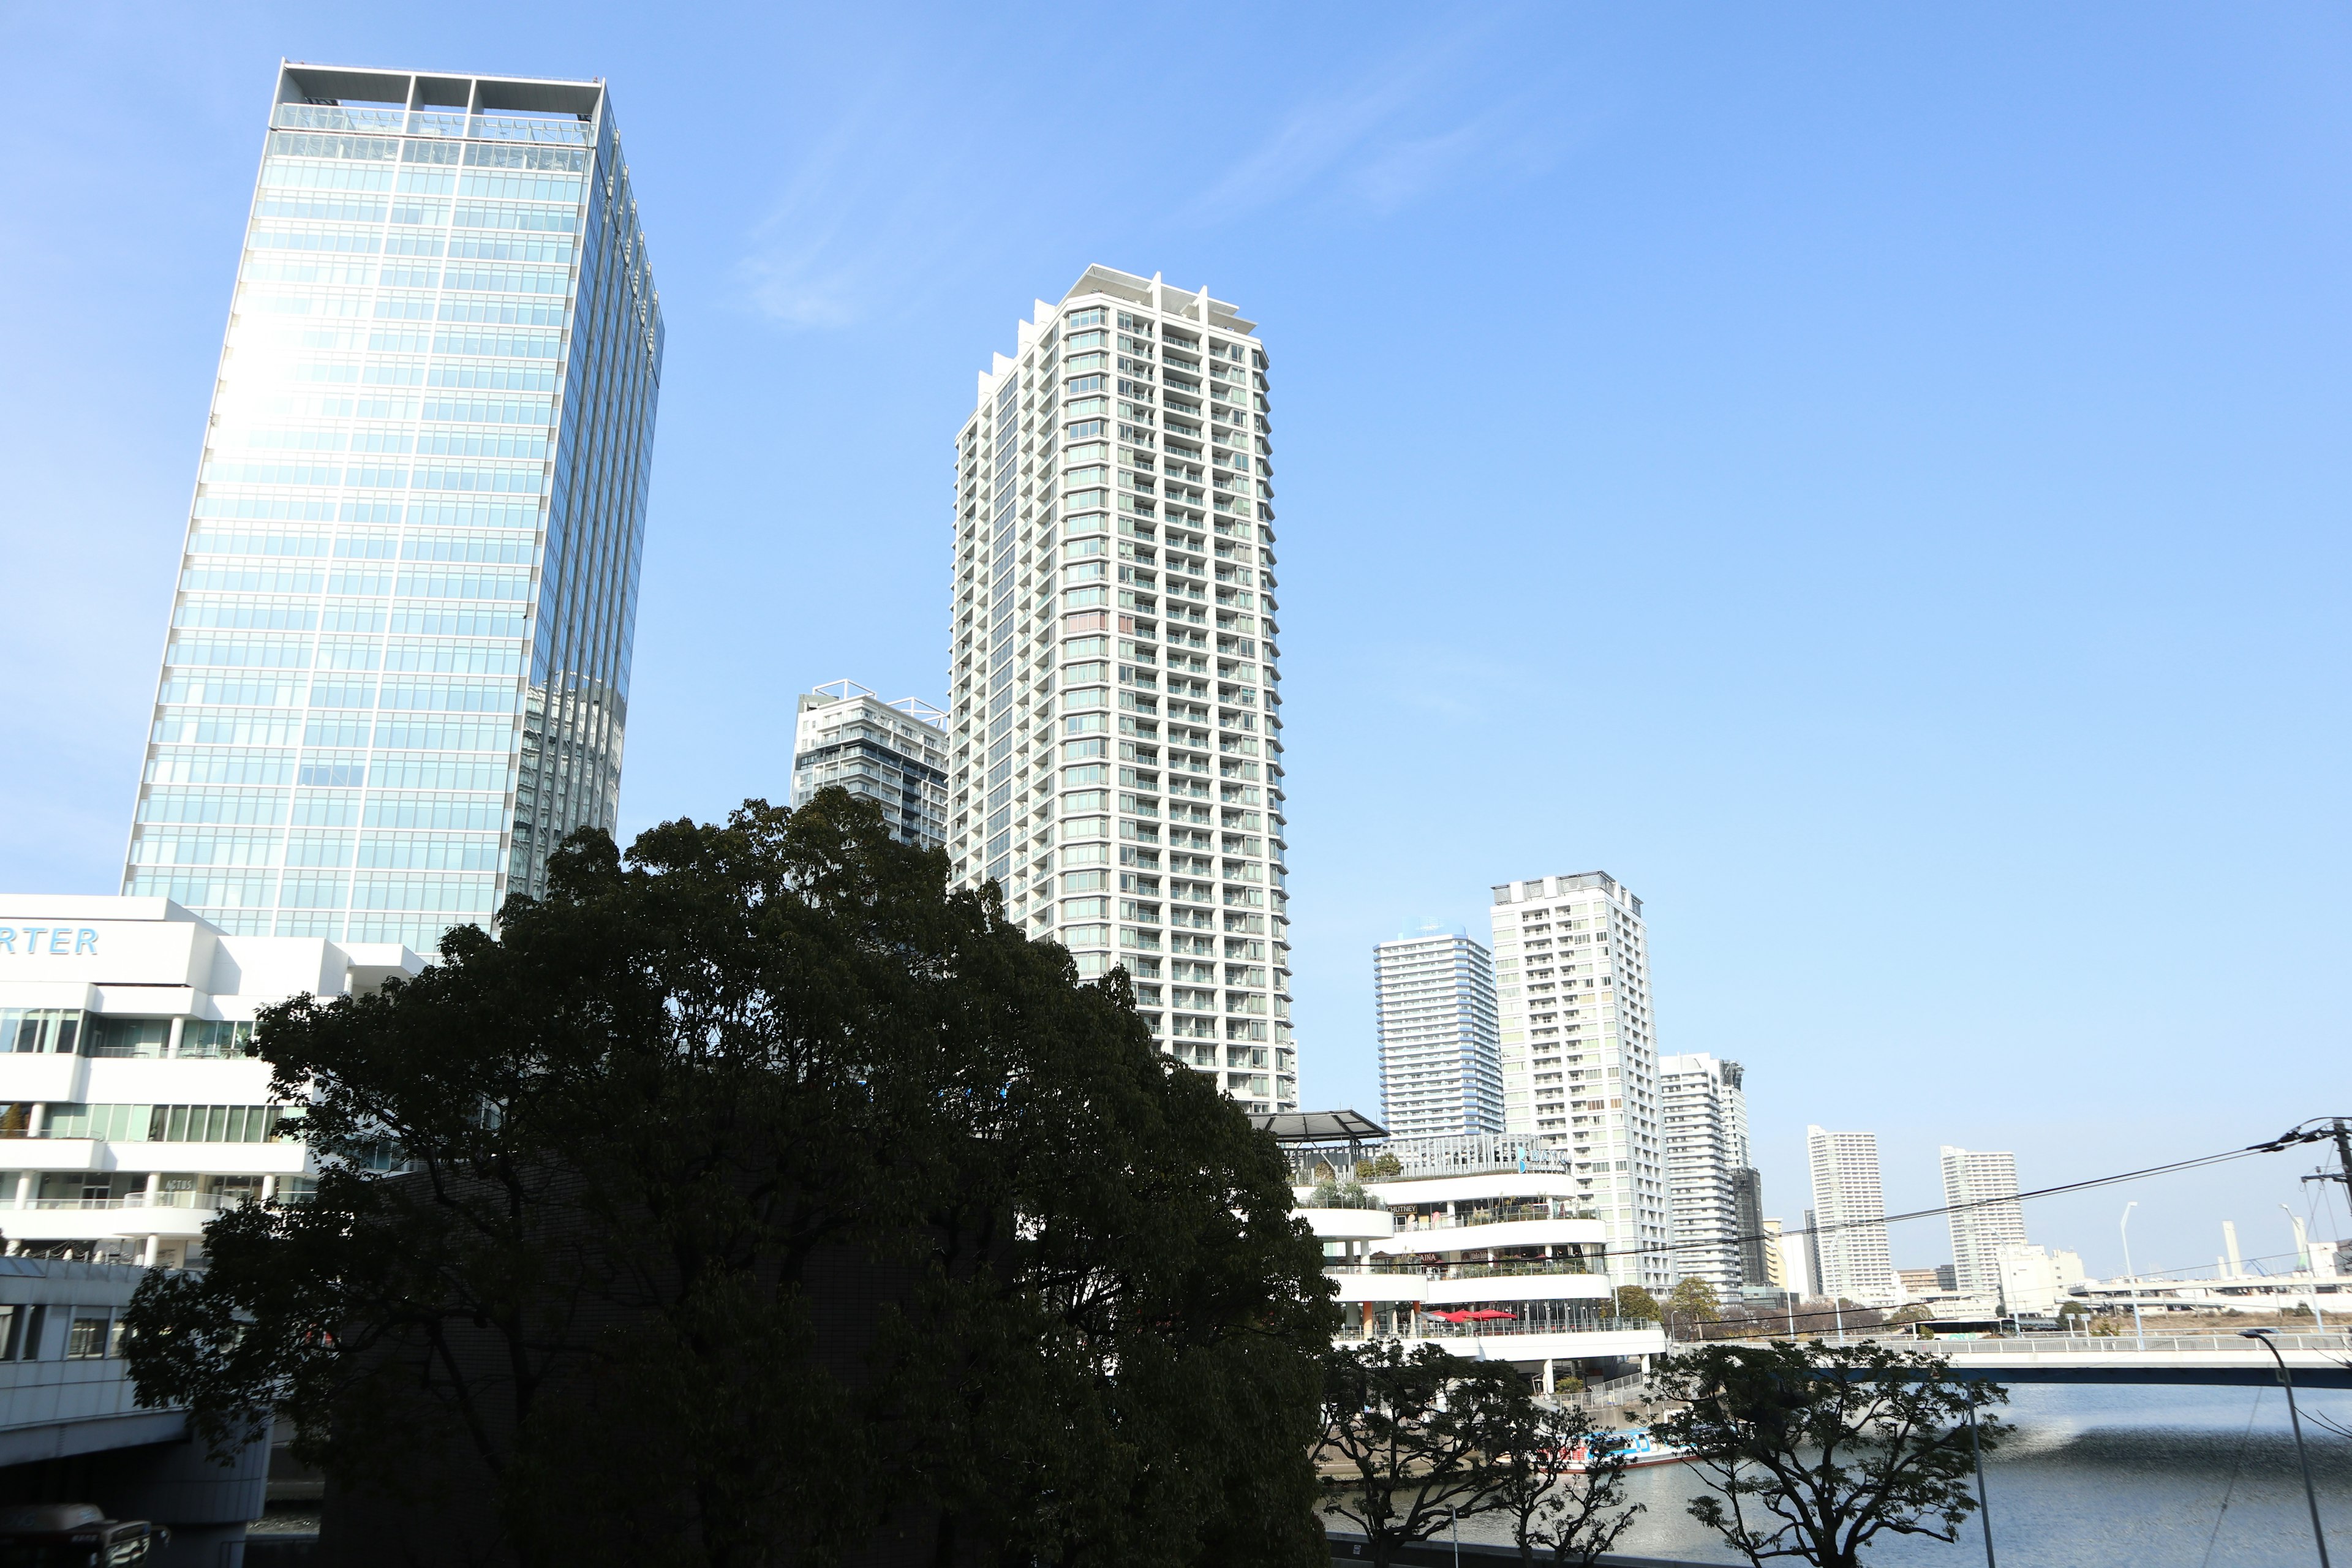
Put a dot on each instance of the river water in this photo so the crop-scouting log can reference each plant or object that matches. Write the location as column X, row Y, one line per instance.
column 2100, row 1477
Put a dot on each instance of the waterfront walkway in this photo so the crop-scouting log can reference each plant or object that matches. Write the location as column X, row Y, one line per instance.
column 2317, row 1361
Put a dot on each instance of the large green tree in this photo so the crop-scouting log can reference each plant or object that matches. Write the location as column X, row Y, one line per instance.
column 1815, row 1450
column 755, row 1198
column 1414, row 1439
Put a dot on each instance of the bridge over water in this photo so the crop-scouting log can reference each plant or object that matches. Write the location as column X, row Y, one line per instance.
column 2318, row 1361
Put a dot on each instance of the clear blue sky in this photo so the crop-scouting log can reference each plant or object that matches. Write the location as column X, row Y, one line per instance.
column 1873, row 481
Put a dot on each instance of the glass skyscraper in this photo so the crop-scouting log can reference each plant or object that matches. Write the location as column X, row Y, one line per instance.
column 1116, row 725
column 397, row 671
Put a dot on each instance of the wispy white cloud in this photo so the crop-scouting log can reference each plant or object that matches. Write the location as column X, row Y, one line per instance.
column 1405, row 126
column 864, row 217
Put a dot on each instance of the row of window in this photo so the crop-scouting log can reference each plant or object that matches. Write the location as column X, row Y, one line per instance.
column 150, row 1124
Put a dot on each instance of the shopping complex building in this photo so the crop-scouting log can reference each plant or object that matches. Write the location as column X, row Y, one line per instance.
column 133, row 1109
column 1484, row 1245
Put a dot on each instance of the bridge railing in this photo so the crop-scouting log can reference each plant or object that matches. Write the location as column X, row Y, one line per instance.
column 2130, row 1344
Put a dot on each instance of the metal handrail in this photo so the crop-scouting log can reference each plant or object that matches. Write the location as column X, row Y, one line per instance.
column 1506, row 1214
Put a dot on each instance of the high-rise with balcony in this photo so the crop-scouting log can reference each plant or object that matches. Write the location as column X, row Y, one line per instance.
column 892, row 753
column 397, row 670
column 1981, row 1191
column 1579, row 1060
column 1704, row 1120
column 1113, row 663
column 1433, row 999
column 1849, row 1219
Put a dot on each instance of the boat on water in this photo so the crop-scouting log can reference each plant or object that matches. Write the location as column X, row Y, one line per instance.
column 1639, row 1447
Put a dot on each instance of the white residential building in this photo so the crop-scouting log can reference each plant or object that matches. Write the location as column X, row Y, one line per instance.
column 1703, row 1123
column 1434, row 998
column 1980, row 1190
column 1580, row 1056
column 892, row 753
column 1781, row 1271
column 128, row 1084
column 1116, row 763
column 1849, row 1219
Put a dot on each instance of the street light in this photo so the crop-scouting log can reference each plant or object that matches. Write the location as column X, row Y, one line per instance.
column 2139, row 1331
column 2310, row 1493
column 2303, row 1266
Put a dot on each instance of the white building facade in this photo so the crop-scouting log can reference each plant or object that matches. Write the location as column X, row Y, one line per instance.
column 892, row 753
column 1702, row 1118
column 1981, row 1190
column 1849, row 1216
column 1579, row 1053
column 132, row 1107
column 1115, row 715
column 1434, row 1002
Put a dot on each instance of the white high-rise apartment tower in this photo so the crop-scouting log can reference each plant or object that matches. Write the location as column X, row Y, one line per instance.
column 892, row 753
column 1433, row 997
column 1580, row 1061
column 1704, row 1119
column 1848, row 1214
column 1115, row 723
column 1985, row 1181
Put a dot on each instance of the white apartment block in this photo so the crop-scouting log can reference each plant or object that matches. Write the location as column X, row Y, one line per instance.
column 1433, row 999
column 892, row 753
column 130, row 1096
column 1981, row 1190
column 1703, row 1123
column 1579, row 1060
column 1115, row 729
column 1849, row 1217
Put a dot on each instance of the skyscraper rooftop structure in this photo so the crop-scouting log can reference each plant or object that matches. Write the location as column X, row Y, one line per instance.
column 1434, row 1002
column 1115, row 718
column 1981, row 1190
column 1579, row 1060
column 892, row 753
column 397, row 670
column 1849, row 1217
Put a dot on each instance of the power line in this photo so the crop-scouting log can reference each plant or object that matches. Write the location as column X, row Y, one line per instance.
column 2319, row 1130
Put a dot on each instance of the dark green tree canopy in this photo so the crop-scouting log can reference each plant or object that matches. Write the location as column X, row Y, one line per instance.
column 755, row 1198
column 1813, row 1450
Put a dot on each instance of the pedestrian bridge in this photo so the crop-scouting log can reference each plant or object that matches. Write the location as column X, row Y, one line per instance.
column 2317, row 1361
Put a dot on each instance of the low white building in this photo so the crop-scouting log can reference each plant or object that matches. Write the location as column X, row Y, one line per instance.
column 1486, row 1245
column 133, row 1109
column 2036, row 1280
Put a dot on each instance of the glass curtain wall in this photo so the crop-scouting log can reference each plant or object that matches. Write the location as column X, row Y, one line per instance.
column 397, row 669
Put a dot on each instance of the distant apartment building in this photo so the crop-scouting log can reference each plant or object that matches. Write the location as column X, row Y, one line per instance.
column 892, row 753
column 1780, row 1272
column 1702, row 1119
column 1849, row 1217
column 1747, row 1211
column 1981, row 1191
column 1433, row 999
column 1578, row 1051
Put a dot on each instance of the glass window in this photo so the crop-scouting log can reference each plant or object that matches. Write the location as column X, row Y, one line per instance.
column 86, row 1337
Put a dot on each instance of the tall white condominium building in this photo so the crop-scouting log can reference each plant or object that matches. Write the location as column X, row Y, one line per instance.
column 397, row 672
column 133, row 1109
column 1848, row 1215
column 892, row 753
column 1115, row 722
column 1703, row 1117
column 1580, row 1061
column 1433, row 996
column 1980, row 1190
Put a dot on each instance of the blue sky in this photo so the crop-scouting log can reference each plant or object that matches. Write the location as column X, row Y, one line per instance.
column 1874, row 482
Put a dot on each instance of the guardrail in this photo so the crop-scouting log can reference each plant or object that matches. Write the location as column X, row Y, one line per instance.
column 2132, row 1344
column 1509, row 1215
